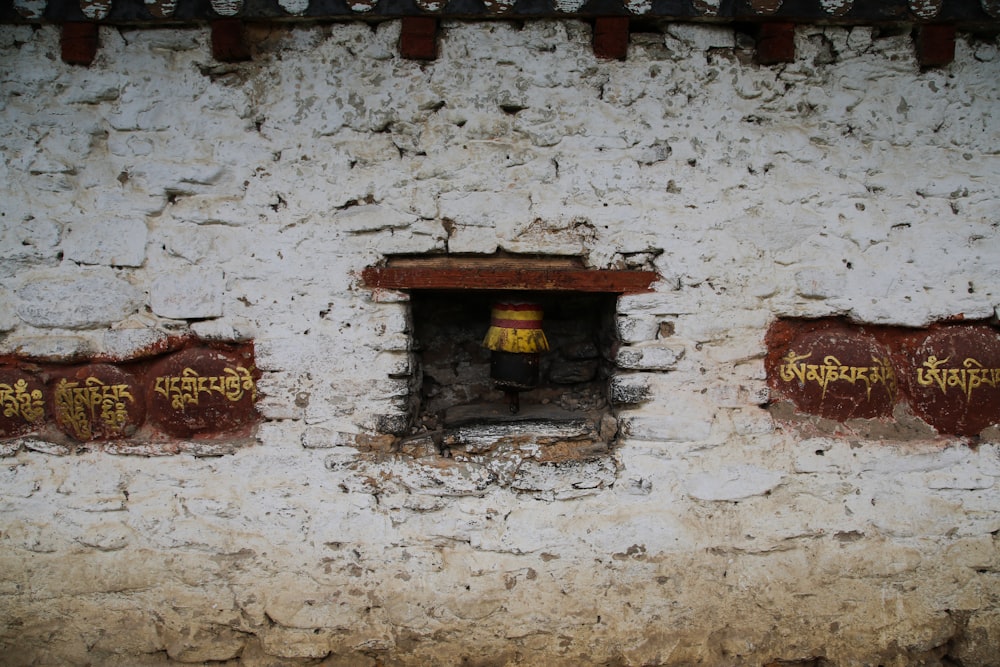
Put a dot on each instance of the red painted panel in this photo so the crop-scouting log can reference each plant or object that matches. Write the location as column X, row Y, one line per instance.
column 953, row 377
column 833, row 370
column 96, row 402
column 22, row 402
column 202, row 391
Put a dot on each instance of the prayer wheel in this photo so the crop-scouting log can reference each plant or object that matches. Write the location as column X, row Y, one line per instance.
column 515, row 340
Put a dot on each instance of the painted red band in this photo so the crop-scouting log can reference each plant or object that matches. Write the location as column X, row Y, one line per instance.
column 516, row 324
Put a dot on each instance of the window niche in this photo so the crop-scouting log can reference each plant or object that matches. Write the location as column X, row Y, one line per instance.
column 456, row 409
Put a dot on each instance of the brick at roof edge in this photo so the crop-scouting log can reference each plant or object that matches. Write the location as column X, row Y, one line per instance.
column 967, row 13
column 78, row 42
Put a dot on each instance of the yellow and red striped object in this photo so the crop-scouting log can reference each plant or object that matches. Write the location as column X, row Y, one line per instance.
column 516, row 327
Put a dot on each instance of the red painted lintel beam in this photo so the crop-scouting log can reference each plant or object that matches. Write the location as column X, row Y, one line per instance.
column 568, row 280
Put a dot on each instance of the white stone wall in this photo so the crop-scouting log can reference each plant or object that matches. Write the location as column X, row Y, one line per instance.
column 159, row 192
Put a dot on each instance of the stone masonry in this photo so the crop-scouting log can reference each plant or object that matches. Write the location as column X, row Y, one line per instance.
column 160, row 194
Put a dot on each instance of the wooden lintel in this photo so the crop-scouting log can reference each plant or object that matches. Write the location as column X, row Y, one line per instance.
column 611, row 37
column 485, row 278
column 418, row 37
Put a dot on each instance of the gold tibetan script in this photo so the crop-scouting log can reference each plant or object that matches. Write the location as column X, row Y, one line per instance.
column 185, row 389
column 967, row 379
column 831, row 370
column 17, row 401
column 79, row 407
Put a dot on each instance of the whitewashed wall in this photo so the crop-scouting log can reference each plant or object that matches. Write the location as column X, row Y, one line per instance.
column 158, row 192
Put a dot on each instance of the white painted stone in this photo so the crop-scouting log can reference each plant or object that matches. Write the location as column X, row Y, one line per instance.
column 130, row 342
column 8, row 313
column 31, row 9
column 295, row 7
column 752, row 422
column 227, row 329
column 637, row 330
column 733, row 483
column 83, row 299
column 701, row 36
column 688, row 421
column 651, row 356
column 108, row 241
column 192, row 293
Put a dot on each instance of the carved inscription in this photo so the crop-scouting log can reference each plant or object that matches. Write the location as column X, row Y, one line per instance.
column 184, row 389
column 831, row 370
column 834, row 371
column 967, row 379
column 954, row 381
column 198, row 392
column 20, row 402
column 948, row 374
column 92, row 408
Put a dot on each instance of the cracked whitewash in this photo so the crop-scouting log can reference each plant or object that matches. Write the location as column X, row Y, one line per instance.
column 158, row 193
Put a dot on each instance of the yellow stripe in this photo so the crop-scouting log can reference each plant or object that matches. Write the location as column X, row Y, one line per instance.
column 526, row 341
column 517, row 314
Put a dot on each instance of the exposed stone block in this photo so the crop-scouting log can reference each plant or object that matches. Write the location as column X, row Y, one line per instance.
column 560, row 481
column 649, row 357
column 392, row 424
column 628, row 388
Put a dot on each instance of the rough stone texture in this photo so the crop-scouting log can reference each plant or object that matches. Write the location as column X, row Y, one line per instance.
column 109, row 242
column 75, row 299
column 846, row 183
column 187, row 294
